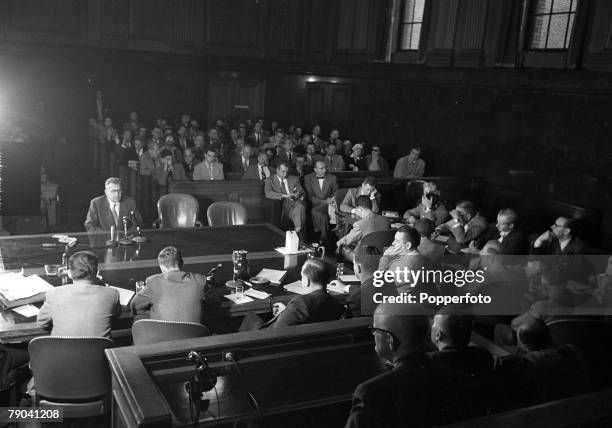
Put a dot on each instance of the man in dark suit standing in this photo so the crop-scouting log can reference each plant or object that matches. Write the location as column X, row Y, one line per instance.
column 172, row 295
column 110, row 209
column 411, row 391
column 316, row 306
column 288, row 190
column 320, row 187
column 82, row 308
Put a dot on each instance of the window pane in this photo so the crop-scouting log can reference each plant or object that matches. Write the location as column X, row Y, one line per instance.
column 406, row 36
column 569, row 31
column 418, row 10
column 408, row 11
column 561, row 6
column 543, row 6
column 538, row 34
column 413, row 11
column 556, row 34
column 416, row 33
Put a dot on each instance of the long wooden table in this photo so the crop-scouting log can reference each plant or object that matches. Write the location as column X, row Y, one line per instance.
column 202, row 249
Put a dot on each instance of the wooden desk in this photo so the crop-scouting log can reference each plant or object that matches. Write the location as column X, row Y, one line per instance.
column 308, row 370
column 202, row 248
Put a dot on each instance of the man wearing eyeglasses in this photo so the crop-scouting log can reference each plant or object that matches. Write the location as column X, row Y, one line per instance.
column 560, row 240
column 409, row 394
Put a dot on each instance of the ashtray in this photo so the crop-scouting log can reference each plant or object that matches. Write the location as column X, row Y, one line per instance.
column 258, row 280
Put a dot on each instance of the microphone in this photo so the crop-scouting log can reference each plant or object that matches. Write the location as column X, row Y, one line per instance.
column 213, row 270
column 203, row 380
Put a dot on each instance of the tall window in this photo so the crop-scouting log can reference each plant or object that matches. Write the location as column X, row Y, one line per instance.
column 410, row 24
column 552, row 22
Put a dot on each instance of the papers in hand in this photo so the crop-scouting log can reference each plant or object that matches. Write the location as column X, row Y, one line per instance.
column 296, row 287
column 256, row 293
column 14, row 286
column 124, row 295
column 27, row 310
column 238, row 298
column 272, row 275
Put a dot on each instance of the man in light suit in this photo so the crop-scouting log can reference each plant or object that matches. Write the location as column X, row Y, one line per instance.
column 287, row 189
column 333, row 161
column 82, row 308
column 109, row 210
column 261, row 171
column 320, row 188
column 172, row 295
column 210, row 169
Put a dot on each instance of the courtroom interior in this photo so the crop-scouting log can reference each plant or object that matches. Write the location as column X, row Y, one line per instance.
column 306, row 213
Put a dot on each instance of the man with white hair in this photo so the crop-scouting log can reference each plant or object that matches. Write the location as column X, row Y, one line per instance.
column 110, row 209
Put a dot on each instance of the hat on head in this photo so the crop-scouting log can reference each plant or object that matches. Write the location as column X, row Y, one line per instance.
column 424, row 226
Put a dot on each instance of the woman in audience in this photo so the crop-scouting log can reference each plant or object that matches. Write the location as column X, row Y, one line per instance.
column 375, row 162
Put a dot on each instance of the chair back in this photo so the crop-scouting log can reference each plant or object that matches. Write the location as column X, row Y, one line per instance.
column 339, row 197
column 70, row 368
column 147, row 332
column 226, row 214
column 177, row 210
column 379, row 239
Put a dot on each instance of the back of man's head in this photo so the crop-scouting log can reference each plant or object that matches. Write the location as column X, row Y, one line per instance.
column 410, row 236
column 316, row 271
column 407, row 323
column 83, row 266
column 455, row 327
column 364, row 202
column 170, row 258
column 533, row 335
column 368, row 257
column 467, row 206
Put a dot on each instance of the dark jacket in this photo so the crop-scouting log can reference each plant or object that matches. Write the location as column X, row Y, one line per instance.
column 317, row 306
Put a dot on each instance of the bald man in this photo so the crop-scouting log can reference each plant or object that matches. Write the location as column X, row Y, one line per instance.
column 320, row 188
column 414, row 391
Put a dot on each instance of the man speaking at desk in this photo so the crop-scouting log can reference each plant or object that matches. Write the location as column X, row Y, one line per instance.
column 110, row 209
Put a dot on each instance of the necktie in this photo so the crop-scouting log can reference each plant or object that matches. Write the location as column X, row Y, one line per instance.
column 263, row 174
column 115, row 211
column 210, row 171
column 285, row 187
column 289, row 156
column 321, row 182
column 245, row 163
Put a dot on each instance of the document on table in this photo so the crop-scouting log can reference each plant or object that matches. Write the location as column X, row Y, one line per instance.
column 14, row 286
column 297, row 288
column 256, row 293
column 349, row 278
column 124, row 295
column 272, row 275
column 27, row 311
column 238, row 298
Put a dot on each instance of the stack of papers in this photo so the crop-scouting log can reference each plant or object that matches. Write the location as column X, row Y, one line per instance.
column 272, row 275
column 124, row 295
column 18, row 290
column 256, row 293
column 297, row 288
column 238, row 298
column 27, row 311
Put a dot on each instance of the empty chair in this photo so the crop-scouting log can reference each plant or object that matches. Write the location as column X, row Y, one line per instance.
column 146, row 332
column 226, row 214
column 379, row 239
column 72, row 373
column 177, row 210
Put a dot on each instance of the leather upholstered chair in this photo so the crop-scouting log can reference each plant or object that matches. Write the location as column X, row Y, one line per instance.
column 177, row 210
column 147, row 332
column 226, row 214
column 72, row 373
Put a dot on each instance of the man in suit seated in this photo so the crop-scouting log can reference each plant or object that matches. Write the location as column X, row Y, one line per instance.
column 320, row 187
column 189, row 162
column 450, row 333
column 367, row 188
column 172, row 295
column 466, row 225
column 210, row 169
column 414, row 391
column 260, row 171
column 288, row 190
column 560, row 241
column 369, row 222
column 430, row 207
column 240, row 163
column 316, row 306
column 333, row 161
column 170, row 171
column 82, row 308
column 410, row 165
column 110, row 209
column 403, row 253
column 360, row 301
column 512, row 240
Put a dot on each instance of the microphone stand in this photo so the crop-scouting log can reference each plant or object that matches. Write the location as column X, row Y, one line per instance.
column 125, row 240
